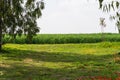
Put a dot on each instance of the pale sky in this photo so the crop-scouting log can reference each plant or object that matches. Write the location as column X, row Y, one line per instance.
column 73, row 16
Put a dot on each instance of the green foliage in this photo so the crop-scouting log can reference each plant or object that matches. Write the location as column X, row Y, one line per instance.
column 112, row 6
column 65, row 38
column 19, row 17
column 100, row 3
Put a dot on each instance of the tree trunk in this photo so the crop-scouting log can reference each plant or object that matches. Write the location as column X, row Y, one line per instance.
column 119, row 31
column 0, row 34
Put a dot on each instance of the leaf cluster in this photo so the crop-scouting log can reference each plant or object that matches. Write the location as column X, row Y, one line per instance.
column 19, row 16
column 114, row 7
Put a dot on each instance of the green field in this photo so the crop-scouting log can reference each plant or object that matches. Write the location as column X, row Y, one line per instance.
column 59, row 61
column 65, row 38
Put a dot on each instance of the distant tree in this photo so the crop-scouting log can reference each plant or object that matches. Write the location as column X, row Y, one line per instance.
column 112, row 6
column 103, row 25
column 19, row 16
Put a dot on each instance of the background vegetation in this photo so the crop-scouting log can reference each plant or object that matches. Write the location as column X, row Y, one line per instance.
column 64, row 38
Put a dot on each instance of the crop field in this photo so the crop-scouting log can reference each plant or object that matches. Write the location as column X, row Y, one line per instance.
column 65, row 38
column 60, row 61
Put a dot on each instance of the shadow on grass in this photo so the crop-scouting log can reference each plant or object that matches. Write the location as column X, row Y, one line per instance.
column 54, row 56
column 13, row 66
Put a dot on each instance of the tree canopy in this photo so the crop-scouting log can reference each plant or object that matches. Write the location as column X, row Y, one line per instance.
column 114, row 7
column 19, row 16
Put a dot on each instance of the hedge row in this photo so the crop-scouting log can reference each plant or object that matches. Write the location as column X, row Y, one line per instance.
column 65, row 38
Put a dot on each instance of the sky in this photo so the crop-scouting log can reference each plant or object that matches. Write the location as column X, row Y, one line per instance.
column 73, row 16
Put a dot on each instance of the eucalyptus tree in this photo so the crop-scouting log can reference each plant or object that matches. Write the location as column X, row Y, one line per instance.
column 112, row 6
column 19, row 16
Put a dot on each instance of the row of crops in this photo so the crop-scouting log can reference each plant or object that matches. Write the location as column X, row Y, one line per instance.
column 65, row 38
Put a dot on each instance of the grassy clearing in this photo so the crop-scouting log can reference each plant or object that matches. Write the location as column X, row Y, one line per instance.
column 59, row 61
column 65, row 38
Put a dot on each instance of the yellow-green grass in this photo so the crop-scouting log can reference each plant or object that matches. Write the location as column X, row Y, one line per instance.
column 59, row 61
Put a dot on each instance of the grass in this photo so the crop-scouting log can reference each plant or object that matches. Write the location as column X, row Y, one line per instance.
column 65, row 38
column 59, row 61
